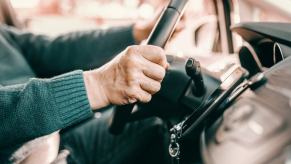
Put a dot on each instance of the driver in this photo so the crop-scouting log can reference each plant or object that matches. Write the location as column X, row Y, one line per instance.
column 49, row 84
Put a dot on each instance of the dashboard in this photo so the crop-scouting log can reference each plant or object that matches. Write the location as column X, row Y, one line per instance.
column 256, row 128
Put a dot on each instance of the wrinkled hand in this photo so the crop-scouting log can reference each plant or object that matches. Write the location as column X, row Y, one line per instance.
column 133, row 75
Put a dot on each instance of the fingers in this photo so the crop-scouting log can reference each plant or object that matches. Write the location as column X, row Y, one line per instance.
column 153, row 71
column 151, row 59
column 144, row 96
column 139, row 95
column 154, row 54
column 144, row 69
column 149, row 85
column 143, row 89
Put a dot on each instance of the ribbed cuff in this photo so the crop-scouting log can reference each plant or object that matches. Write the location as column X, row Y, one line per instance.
column 71, row 97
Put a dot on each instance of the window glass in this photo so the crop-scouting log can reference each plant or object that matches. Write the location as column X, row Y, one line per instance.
column 53, row 17
column 264, row 10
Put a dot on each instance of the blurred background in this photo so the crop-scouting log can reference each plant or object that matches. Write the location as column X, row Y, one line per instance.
column 206, row 20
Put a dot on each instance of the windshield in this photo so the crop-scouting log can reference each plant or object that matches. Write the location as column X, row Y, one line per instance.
column 202, row 33
column 264, row 10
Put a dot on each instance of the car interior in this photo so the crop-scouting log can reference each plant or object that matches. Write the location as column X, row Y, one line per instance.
column 235, row 113
column 237, row 119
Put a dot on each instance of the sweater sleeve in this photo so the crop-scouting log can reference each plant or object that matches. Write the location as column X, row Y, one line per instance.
column 78, row 50
column 41, row 106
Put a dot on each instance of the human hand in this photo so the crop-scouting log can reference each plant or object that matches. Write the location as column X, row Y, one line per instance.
column 133, row 75
column 142, row 29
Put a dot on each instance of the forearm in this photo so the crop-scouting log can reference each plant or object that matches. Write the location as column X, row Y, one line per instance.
column 78, row 50
column 41, row 107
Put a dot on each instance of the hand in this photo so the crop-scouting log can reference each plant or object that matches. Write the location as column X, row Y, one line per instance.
column 133, row 75
column 142, row 29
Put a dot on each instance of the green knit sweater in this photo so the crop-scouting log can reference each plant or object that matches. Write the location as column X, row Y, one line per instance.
column 37, row 95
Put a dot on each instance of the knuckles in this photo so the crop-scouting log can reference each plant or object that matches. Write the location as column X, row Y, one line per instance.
column 134, row 92
column 132, row 51
column 132, row 82
column 133, row 72
column 131, row 58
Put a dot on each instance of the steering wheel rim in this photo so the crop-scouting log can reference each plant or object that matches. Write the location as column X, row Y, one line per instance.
column 159, row 36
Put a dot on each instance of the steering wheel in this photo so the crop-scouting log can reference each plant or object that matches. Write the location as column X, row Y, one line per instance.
column 159, row 36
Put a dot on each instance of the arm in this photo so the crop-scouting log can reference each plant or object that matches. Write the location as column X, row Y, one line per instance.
column 40, row 107
column 79, row 50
